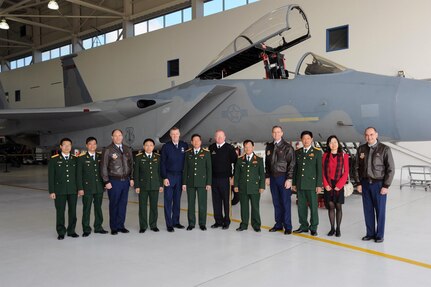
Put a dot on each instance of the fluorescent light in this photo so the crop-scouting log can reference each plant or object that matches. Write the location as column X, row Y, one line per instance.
column 4, row 25
column 53, row 5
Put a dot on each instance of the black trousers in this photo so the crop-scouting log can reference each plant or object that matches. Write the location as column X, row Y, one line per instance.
column 220, row 196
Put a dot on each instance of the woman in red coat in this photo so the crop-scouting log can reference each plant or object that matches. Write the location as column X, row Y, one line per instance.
column 335, row 169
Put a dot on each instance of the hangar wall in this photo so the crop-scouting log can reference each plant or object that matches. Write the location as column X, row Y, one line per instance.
column 383, row 38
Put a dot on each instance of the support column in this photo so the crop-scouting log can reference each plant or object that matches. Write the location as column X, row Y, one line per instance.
column 127, row 24
column 76, row 28
column 197, row 9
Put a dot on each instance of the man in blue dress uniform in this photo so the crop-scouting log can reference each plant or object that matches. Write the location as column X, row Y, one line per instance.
column 171, row 169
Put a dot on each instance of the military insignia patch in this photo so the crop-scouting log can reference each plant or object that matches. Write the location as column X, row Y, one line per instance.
column 213, row 152
column 114, row 156
column 311, row 154
column 255, row 162
column 362, row 155
column 182, row 150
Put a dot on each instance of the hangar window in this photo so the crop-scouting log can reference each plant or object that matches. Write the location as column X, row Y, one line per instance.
column 18, row 96
column 141, row 28
column 173, row 68
column 187, row 14
column 155, row 24
column 337, row 38
column 230, row 4
column 213, row 7
column 173, row 18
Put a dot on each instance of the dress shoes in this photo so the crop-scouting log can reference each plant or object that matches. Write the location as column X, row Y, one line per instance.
column 313, row 232
column 257, row 229
column 190, row 227
column 85, row 234
column 379, row 240
column 241, row 229
column 338, row 233
column 170, row 229
column 367, row 238
column 225, row 226
column 275, row 229
column 299, row 230
column 60, row 237
column 288, row 231
column 73, row 235
column 155, row 229
column 142, row 230
column 101, row 231
column 123, row 230
column 203, row 227
column 114, row 232
column 179, row 226
column 216, row 225
column 331, row 232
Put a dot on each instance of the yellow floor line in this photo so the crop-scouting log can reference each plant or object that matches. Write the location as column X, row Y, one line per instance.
column 339, row 244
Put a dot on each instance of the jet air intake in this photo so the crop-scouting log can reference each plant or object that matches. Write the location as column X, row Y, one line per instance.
column 142, row 104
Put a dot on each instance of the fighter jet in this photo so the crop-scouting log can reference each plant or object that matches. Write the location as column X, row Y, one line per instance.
column 320, row 96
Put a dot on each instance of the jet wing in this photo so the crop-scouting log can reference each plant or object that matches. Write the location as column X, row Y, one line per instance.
column 276, row 31
column 48, row 113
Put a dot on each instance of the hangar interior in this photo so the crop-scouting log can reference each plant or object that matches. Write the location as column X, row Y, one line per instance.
column 127, row 48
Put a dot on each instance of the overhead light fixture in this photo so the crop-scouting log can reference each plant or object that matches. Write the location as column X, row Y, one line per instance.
column 53, row 5
column 4, row 25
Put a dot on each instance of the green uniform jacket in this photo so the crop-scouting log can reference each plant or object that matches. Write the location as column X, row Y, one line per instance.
column 197, row 170
column 147, row 172
column 88, row 176
column 62, row 175
column 249, row 177
column 308, row 169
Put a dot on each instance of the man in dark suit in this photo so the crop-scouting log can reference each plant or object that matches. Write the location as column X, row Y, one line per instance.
column 171, row 169
column 223, row 159
column 90, row 187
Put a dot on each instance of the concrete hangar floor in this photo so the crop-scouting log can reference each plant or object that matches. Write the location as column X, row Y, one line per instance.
column 31, row 255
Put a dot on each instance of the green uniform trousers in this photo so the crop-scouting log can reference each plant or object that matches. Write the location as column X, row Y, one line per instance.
column 87, row 201
column 245, row 200
column 308, row 198
column 144, row 197
column 60, row 206
column 202, row 205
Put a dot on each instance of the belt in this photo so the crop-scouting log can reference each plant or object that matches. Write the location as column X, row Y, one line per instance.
column 120, row 178
column 372, row 180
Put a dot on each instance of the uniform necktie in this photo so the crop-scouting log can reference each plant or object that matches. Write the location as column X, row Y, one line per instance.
column 218, row 146
column 149, row 156
column 92, row 156
column 176, row 145
column 66, row 157
column 248, row 158
column 121, row 148
column 196, row 152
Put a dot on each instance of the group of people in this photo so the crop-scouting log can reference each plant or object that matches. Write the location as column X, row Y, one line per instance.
column 197, row 171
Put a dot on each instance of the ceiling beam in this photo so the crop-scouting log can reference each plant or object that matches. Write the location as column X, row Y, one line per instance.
column 28, row 22
column 95, row 7
column 62, row 16
column 14, row 7
column 15, row 42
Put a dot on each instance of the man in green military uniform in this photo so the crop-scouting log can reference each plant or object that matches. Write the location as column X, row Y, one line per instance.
column 197, row 178
column 249, row 181
column 62, row 188
column 148, row 183
column 90, row 187
column 307, row 181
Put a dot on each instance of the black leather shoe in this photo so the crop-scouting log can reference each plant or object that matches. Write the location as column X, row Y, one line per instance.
column 288, row 231
column 179, row 226
column 171, row 229
column 203, row 227
column 313, row 232
column 241, row 229
column 85, row 234
column 299, row 230
column 225, row 226
column 379, row 240
column 123, row 230
column 190, row 227
column 216, row 225
column 331, row 232
column 101, row 231
column 367, row 238
column 73, row 235
column 114, row 232
column 60, row 237
column 257, row 229
column 142, row 230
column 338, row 233
column 155, row 229
column 275, row 229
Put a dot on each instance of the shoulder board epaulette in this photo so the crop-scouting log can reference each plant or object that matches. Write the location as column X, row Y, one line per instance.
column 242, row 156
column 189, row 149
column 99, row 152
column 156, row 153
column 83, row 154
column 317, row 148
column 138, row 154
column 206, row 149
column 56, row 155
column 257, row 156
